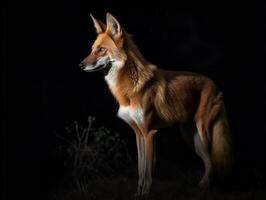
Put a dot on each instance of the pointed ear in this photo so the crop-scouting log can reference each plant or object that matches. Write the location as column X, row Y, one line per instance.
column 99, row 26
column 113, row 26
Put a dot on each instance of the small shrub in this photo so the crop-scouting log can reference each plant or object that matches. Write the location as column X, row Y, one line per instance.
column 90, row 152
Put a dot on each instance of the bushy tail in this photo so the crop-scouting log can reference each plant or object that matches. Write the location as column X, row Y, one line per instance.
column 221, row 142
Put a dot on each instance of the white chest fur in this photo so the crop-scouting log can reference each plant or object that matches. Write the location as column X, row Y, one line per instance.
column 130, row 114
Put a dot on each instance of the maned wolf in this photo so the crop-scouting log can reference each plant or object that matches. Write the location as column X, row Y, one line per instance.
column 151, row 98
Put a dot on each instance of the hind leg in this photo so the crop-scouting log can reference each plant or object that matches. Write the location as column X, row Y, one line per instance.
column 201, row 149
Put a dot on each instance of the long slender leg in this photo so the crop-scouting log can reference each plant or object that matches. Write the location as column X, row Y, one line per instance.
column 145, row 145
column 201, row 148
column 141, row 156
column 138, row 142
column 154, row 155
column 141, row 160
column 149, row 159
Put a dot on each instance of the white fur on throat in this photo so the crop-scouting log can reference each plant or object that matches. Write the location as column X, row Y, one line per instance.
column 111, row 77
column 129, row 114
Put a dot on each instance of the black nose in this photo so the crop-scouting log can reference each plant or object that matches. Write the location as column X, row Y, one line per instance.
column 82, row 65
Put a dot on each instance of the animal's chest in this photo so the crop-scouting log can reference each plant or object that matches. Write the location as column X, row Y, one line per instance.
column 129, row 114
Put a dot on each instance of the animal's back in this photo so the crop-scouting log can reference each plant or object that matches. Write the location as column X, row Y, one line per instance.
column 176, row 95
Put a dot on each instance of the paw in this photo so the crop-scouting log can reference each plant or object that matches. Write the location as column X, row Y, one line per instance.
column 138, row 196
column 204, row 184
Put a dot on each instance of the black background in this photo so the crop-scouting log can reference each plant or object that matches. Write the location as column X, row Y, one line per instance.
column 44, row 90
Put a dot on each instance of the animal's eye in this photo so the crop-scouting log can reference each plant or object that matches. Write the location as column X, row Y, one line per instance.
column 100, row 49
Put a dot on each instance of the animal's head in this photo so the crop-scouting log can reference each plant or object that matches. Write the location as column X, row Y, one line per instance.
column 107, row 50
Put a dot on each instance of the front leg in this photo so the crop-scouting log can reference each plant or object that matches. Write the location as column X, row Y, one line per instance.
column 141, row 162
column 141, row 157
column 149, row 162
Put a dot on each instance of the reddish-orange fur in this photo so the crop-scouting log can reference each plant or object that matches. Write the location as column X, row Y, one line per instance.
column 166, row 97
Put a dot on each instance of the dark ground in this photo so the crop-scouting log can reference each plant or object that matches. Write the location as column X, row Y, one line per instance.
column 172, row 181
